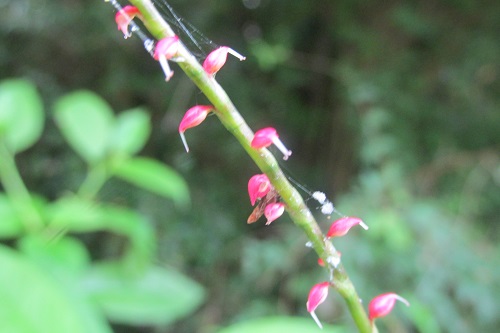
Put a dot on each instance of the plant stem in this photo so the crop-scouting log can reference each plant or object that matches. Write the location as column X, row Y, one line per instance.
column 97, row 175
column 235, row 124
column 17, row 192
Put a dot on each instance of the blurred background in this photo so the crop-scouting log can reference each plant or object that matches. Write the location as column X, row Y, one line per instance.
column 391, row 108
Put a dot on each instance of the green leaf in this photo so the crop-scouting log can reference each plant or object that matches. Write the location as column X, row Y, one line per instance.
column 21, row 114
column 131, row 132
column 10, row 225
column 155, row 177
column 66, row 253
column 137, row 229
column 423, row 317
column 79, row 215
column 33, row 302
column 269, row 56
column 86, row 122
column 281, row 324
column 158, row 297
column 75, row 214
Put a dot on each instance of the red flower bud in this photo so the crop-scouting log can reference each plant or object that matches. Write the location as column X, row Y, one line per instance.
column 317, row 295
column 273, row 211
column 166, row 49
column 193, row 117
column 341, row 226
column 258, row 187
column 267, row 136
column 382, row 305
column 124, row 17
column 217, row 58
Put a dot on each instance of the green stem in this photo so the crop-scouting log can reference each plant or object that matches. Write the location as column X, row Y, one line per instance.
column 17, row 191
column 96, row 177
column 235, row 124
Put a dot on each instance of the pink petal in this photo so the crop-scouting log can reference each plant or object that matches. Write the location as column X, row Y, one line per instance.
column 317, row 295
column 215, row 60
column 258, row 187
column 167, row 47
column 382, row 305
column 193, row 117
column 341, row 226
column 264, row 138
column 273, row 211
column 124, row 17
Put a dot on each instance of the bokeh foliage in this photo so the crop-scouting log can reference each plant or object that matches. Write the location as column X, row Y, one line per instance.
column 392, row 108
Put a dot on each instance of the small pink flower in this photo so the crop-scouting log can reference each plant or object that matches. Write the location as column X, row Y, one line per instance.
column 166, row 49
column 193, row 117
column 317, row 295
column 382, row 305
column 341, row 226
column 267, row 136
column 258, row 186
column 124, row 17
column 217, row 58
column 273, row 211
column 321, row 262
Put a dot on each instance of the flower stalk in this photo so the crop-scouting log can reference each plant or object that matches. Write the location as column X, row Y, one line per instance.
column 236, row 125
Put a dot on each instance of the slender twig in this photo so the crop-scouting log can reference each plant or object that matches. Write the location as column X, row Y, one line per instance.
column 236, row 125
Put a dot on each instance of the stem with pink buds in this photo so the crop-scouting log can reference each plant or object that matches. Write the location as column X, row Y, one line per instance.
column 236, row 125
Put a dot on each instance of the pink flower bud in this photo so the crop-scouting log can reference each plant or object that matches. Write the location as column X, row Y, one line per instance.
column 217, row 58
column 193, row 117
column 166, row 49
column 258, row 187
column 382, row 305
column 273, row 211
column 124, row 17
column 267, row 136
column 341, row 226
column 317, row 295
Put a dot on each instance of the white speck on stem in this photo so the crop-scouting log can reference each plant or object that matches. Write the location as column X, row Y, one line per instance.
column 334, row 261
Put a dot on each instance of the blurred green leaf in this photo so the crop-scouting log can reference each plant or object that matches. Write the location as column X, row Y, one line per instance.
column 388, row 226
column 79, row 215
column 155, row 177
column 32, row 302
column 423, row 317
column 83, row 216
column 10, row 225
column 158, row 297
column 74, row 214
column 66, row 253
column 86, row 121
column 269, row 56
column 21, row 114
column 131, row 131
column 137, row 229
column 279, row 325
